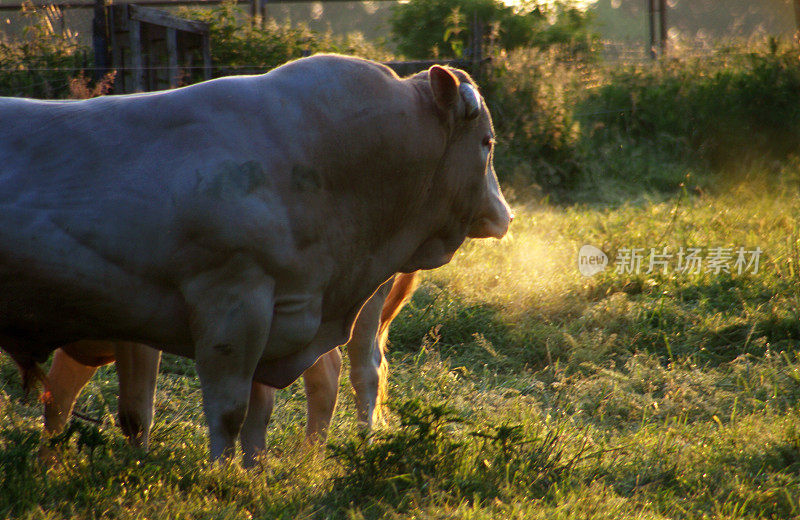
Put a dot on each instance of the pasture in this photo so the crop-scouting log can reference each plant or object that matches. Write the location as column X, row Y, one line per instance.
column 518, row 389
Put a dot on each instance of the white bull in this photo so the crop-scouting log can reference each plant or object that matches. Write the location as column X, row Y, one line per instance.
column 241, row 222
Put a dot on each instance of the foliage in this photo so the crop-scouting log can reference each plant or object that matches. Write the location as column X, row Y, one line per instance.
column 241, row 47
column 734, row 109
column 40, row 64
column 446, row 28
column 430, row 449
column 530, row 94
column 80, row 87
column 585, row 130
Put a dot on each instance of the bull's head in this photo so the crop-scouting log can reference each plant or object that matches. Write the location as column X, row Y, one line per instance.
column 480, row 205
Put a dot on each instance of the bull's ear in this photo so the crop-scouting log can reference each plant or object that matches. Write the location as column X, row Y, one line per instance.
column 444, row 85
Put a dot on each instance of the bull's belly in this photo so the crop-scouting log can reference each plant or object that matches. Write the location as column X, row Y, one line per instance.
column 280, row 372
column 296, row 319
column 50, row 315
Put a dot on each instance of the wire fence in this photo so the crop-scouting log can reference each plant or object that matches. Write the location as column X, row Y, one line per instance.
column 34, row 80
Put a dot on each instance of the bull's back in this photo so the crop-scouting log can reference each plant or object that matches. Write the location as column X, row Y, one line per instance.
column 90, row 194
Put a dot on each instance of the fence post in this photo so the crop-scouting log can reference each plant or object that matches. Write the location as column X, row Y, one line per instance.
column 797, row 20
column 137, row 66
column 206, row 51
column 172, row 57
column 651, row 19
column 100, row 39
column 255, row 12
column 476, row 45
column 662, row 25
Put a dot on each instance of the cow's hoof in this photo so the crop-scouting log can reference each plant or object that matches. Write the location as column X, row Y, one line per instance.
column 47, row 456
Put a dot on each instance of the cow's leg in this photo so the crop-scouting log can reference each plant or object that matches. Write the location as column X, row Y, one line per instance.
column 66, row 379
column 366, row 349
column 322, row 389
column 259, row 410
column 231, row 313
column 137, row 369
column 366, row 356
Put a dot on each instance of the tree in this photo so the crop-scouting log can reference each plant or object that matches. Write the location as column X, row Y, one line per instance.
column 446, row 28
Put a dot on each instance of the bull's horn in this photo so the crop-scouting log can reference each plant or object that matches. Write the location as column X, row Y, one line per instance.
column 472, row 102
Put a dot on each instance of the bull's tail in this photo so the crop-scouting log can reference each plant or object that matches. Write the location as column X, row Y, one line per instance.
column 32, row 376
column 403, row 288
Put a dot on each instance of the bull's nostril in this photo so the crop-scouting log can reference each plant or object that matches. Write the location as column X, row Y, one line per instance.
column 511, row 218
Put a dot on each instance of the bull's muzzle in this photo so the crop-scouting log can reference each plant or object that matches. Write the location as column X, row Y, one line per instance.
column 493, row 223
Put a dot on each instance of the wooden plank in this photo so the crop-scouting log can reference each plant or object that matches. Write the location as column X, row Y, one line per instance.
column 651, row 24
column 172, row 57
column 100, row 39
column 68, row 4
column 662, row 27
column 206, row 50
column 117, row 57
column 164, row 19
column 137, row 69
column 797, row 20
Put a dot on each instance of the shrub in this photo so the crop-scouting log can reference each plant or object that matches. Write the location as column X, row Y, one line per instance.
column 446, row 28
column 41, row 64
column 430, row 453
column 727, row 111
column 239, row 47
column 530, row 94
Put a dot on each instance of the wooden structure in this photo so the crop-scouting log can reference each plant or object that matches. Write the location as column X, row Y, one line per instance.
column 149, row 48
column 658, row 39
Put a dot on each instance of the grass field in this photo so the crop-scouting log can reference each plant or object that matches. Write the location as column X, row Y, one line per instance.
column 518, row 387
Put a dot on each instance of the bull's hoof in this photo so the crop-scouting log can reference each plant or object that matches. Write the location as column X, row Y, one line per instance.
column 47, row 456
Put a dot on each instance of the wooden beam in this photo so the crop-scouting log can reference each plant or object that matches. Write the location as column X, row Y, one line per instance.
column 797, row 20
column 172, row 57
column 100, row 39
column 137, row 68
column 662, row 26
column 651, row 18
column 164, row 19
column 206, row 50
column 69, row 4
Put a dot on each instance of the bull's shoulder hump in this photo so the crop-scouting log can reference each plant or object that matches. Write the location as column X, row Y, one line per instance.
column 337, row 61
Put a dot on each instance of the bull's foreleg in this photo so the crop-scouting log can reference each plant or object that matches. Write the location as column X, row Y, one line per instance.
column 322, row 389
column 232, row 309
column 137, row 369
column 259, row 410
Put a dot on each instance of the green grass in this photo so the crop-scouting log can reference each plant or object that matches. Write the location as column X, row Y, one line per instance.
column 519, row 389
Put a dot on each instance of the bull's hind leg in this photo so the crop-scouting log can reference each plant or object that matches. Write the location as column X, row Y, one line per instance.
column 231, row 313
column 322, row 389
column 66, row 379
column 137, row 369
column 366, row 349
column 259, row 410
column 366, row 356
